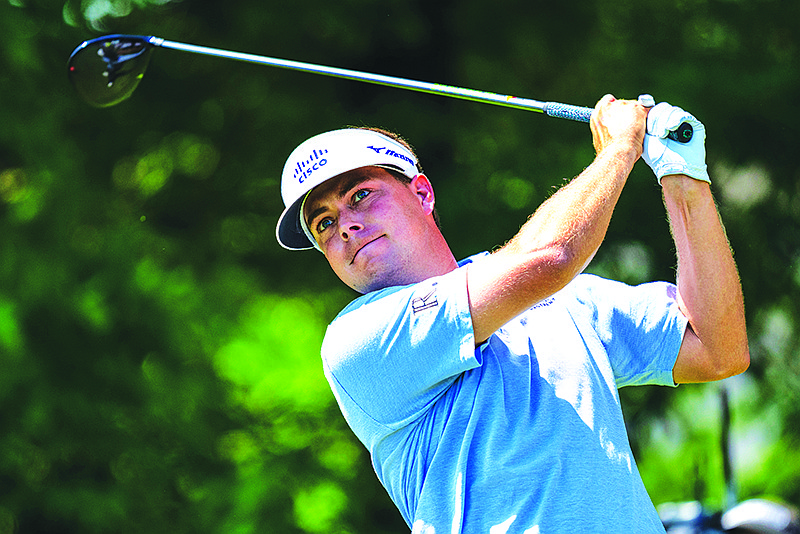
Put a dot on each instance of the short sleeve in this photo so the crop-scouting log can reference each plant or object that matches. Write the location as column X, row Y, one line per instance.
column 390, row 354
column 641, row 327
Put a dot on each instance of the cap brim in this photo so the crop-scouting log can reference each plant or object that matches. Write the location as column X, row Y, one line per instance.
column 289, row 233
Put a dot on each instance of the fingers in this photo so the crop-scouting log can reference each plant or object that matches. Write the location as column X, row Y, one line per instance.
column 602, row 104
column 618, row 121
column 607, row 99
column 600, row 134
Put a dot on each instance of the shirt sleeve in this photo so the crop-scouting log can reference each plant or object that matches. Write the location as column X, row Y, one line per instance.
column 390, row 354
column 640, row 326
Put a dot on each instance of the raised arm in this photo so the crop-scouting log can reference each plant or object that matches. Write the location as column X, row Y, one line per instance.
column 715, row 344
column 709, row 290
column 563, row 234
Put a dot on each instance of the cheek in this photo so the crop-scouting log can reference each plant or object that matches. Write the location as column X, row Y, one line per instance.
column 409, row 221
column 352, row 279
column 335, row 258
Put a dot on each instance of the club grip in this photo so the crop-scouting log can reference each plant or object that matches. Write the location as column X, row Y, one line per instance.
column 682, row 134
column 566, row 111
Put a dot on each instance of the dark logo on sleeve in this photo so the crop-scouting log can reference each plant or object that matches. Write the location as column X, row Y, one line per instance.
column 425, row 303
column 544, row 303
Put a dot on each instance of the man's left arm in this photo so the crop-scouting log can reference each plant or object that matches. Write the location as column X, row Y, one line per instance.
column 709, row 290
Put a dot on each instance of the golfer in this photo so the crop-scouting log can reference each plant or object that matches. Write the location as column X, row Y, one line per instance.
column 486, row 389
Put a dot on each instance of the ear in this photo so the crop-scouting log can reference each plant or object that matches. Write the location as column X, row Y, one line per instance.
column 422, row 187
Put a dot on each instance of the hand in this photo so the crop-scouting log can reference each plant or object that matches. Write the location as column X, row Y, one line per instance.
column 666, row 156
column 618, row 121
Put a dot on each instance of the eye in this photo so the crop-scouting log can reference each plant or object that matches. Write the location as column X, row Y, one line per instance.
column 324, row 224
column 360, row 195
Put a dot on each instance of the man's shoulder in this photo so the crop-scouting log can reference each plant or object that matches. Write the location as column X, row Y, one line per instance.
column 418, row 295
column 372, row 296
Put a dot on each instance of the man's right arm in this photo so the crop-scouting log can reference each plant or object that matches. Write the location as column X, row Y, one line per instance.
column 563, row 234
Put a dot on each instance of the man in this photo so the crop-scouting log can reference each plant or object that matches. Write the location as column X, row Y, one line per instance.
column 486, row 390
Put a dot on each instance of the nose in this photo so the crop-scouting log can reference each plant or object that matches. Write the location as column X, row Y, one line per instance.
column 349, row 227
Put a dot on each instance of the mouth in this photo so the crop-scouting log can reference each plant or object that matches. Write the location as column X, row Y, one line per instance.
column 365, row 245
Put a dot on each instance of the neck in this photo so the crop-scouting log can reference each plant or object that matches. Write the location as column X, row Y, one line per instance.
column 432, row 258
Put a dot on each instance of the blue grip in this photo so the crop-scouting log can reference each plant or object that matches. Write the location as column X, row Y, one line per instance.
column 565, row 111
column 682, row 134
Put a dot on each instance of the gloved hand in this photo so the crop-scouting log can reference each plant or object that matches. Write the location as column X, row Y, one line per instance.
column 666, row 156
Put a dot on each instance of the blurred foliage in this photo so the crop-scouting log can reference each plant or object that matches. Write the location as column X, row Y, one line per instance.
column 159, row 350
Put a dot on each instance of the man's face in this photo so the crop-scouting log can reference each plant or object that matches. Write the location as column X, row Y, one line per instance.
column 370, row 226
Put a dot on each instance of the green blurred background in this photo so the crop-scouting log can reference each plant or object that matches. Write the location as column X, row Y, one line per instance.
column 159, row 350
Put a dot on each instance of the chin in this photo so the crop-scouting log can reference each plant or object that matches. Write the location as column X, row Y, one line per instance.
column 381, row 280
column 372, row 285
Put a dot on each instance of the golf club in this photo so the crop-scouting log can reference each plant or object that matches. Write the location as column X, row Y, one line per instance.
column 106, row 70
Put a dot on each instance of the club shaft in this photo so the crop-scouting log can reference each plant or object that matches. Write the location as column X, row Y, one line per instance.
column 554, row 109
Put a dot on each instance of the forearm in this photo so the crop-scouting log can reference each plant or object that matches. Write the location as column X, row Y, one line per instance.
column 709, row 288
column 551, row 248
column 571, row 225
column 562, row 236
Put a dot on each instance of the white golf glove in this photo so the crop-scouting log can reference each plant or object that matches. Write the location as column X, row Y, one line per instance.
column 666, row 156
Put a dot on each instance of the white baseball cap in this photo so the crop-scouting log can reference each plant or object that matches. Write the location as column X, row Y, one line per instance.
column 326, row 156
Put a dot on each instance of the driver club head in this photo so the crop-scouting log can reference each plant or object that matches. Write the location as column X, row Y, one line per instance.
column 106, row 70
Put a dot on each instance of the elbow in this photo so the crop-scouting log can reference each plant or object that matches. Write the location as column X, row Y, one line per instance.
column 553, row 268
column 711, row 360
column 719, row 351
column 733, row 361
column 563, row 264
column 533, row 274
column 743, row 361
column 739, row 353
